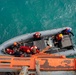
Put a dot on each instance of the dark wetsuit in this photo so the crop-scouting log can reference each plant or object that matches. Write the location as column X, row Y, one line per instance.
column 17, row 54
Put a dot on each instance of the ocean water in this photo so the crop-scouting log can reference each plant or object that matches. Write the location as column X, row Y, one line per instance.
column 25, row 16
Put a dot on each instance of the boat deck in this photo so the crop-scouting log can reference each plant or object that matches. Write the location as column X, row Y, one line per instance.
column 66, row 42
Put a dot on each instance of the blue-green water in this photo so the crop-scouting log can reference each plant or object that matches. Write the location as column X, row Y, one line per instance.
column 25, row 16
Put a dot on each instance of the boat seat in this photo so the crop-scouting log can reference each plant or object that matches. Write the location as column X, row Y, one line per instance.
column 28, row 44
column 40, row 43
column 66, row 42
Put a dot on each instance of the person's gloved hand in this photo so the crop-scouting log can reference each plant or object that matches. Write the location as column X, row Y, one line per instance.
column 50, row 45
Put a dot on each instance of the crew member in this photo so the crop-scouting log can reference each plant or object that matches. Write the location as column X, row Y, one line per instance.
column 67, row 31
column 16, row 44
column 57, row 40
column 33, row 50
column 9, row 51
column 29, row 50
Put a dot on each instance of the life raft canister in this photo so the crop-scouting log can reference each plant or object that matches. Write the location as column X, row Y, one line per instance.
column 37, row 35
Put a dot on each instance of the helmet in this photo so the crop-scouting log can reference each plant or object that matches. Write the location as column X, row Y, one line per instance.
column 15, row 43
column 28, row 51
column 7, row 49
column 60, row 35
column 33, row 48
column 68, row 30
